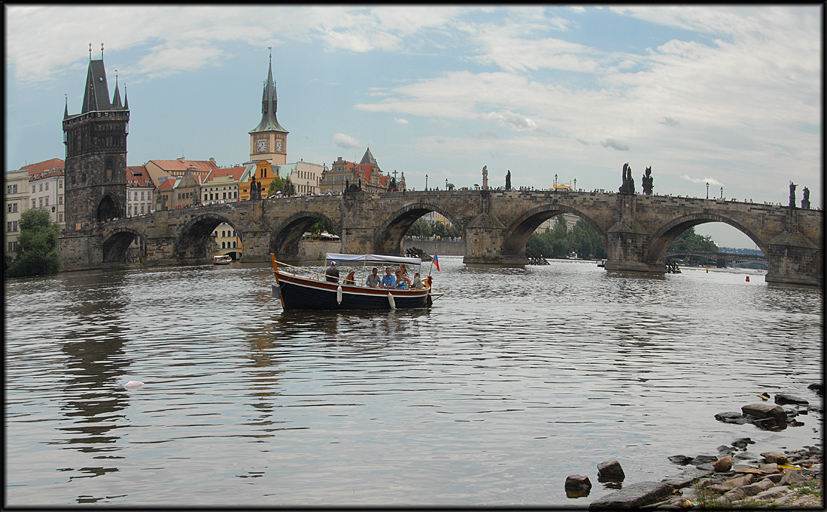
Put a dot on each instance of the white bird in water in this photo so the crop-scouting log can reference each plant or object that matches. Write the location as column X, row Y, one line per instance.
column 133, row 384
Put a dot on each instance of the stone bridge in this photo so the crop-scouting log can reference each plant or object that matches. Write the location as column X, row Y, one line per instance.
column 496, row 224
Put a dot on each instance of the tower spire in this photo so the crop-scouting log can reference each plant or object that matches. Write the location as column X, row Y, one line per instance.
column 66, row 110
column 116, row 99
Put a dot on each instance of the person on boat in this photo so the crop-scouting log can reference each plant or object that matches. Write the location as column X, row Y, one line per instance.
column 404, row 269
column 373, row 280
column 350, row 278
column 332, row 273
column 402, row 281
column 389, row 281
column 417, row 282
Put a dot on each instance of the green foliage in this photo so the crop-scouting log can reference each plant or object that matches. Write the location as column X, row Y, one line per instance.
column 558, row 241
column 691, row 241
column 38, row 252
column 423, row 229
column 320, row 226
column 277, row 185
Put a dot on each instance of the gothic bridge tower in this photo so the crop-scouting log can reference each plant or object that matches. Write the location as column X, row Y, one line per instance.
column 95, row 163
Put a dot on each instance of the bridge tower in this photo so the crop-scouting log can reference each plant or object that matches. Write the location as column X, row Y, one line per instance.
column 95, row 143
column 268, row 140
column 95, row 165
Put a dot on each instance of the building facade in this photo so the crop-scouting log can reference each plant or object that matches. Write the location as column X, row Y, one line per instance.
column 366, row 174
column 305, row 176
column 46, row 190
column 140, row 191
column 17, row 202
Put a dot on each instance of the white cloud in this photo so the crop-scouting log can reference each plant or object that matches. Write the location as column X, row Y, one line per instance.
column 614, row 144
column 711, row 181
column 400, row 120
column 508, row 118
column 341, row 140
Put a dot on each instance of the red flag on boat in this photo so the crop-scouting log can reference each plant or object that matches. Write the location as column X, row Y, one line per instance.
column 436, row 261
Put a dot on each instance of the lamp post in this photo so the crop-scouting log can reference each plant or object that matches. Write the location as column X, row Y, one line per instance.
column 707, row 190
column 555, row 182
column 722, row 192
column 575, row 184
column 426, row 183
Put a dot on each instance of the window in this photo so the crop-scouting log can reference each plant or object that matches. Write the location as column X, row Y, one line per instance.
column 41, row 187
column 142, row 209
column 47, row 201
column 142, row 195
column 60, row 184
column 47, row 185
column 41, row 202
column 34, row 204
column 13, row 246
column 12, row 207
column 60, row 217
column 11, row 226
column 59, row 199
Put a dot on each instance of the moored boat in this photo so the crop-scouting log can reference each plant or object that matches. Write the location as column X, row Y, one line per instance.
column 300, row 288
column 224, row 259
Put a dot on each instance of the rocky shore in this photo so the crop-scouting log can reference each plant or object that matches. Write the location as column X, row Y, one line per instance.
column 734, row 478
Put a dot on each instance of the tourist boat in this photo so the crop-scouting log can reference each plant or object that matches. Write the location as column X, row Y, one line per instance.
column 224, row 259
column 300, row 288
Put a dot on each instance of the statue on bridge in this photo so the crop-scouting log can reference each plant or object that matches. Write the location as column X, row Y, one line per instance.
column 647, row 181
column 792, row 194
column 449, row 186
column 255, row 190
column 485, row 177
column 628, row 186
column 508, row 180
column 805, row 203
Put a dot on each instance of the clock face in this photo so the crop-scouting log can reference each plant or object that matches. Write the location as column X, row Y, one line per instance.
column 262, row 146
column 278, row 145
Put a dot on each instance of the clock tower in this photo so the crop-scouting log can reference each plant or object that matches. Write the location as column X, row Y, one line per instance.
column 95, row 164
column 268, row 140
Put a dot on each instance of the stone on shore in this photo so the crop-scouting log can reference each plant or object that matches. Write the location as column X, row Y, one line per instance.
column 633, row 496
column 577, row 486
column 775, row 457
column 610, row 471
column 766, row 411
column 731, row 417
column 723, row 465
column 784, row 398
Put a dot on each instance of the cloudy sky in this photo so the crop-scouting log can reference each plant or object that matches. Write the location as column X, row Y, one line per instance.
column 729, row 96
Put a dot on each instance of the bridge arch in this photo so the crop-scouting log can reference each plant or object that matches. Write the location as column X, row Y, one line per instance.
column 285, row 238
column 195, row 243
column 116, row 244
column 661, row 239
column 518, row 232
column 389, row 234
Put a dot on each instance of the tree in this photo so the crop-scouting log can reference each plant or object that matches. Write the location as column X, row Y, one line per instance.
column 420, row 229
column 322, row 226
column 558, row 241
column 38, row 252
column 691, row 241
column 277, row 185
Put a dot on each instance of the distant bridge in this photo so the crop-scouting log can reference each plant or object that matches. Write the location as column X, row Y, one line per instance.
column 495, row 224
column 718, row 256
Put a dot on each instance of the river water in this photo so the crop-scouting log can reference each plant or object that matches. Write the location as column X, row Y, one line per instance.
column 515, row 379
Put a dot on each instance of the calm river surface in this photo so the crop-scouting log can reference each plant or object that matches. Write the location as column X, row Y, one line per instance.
column 515, row 379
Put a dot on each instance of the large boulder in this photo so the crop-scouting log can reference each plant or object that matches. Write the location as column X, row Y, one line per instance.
column 784, row 398
column 633, row 496
column 766, row 412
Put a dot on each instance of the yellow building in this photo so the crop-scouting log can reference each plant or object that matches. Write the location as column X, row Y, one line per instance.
column 263, row 174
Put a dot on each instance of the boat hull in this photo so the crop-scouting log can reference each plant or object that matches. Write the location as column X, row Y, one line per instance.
column 300, row 293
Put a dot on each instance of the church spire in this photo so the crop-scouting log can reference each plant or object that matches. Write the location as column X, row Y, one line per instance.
column 269, row 105
column 66, row 110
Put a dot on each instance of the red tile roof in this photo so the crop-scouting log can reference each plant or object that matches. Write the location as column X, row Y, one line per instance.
column 54, row 163
column 235, row 172
column 136, row 176
column 201, row 166
column 46, row 174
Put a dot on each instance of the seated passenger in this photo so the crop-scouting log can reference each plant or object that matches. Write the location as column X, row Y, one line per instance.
column 389, row 281
column 417, row 282
column 402, row 281
column 332, row 273
column 350, row 278
column 373, row 280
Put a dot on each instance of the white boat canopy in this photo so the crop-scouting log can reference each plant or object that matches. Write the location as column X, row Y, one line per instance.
column 371, row 258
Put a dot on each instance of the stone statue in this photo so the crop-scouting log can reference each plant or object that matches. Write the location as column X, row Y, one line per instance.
column 255, row 192
column 508, row 180
column 647, row 182
column 485, row 177
column 792, row 194
column 805, row 203
column 449, row 186
column 628, row 186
